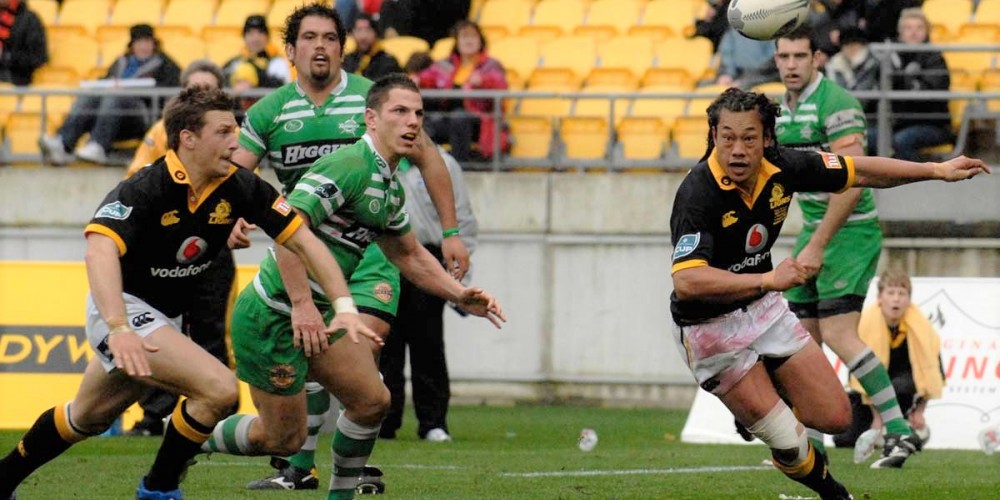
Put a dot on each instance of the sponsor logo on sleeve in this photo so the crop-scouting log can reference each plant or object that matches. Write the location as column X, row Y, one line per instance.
column 328, row 190
column 281, row 206
column 686, row 245
column 115, row 210
column 831, row 160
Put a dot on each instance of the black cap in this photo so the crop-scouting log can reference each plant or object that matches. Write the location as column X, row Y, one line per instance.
column 256, row 22
column 852, row 34
column 139, row 32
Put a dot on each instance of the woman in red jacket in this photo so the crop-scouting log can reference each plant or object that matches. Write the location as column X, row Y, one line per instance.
column 460, row 122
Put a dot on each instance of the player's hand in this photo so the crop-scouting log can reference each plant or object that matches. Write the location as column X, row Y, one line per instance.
column 456, row 256
column 961, row 168
column 354, row 327
column 788, row 274
column 811, row 258
column 239, row 237
column 308, row 328
column 128, row 350
column 476, row 301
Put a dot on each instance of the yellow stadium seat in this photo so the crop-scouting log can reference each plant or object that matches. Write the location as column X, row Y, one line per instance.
column 78, row 52
column 236, row 12
column 111, row 50
column 130, row 12
column 280, row 11
column 988, row 11
column 402, row 46
column 970, row 61
column 184, row 49
column 550, row 107
column 694, row 55
column 516, row 53
column 690, row 135
column 58, row 75
column 22, row 133
column 642, row 138
column 698, row 105
column 991, row 83
column 671, row 77
column 116, row 33
column 667, row 18
column 620, row 78
column 222, row 34
column 634, row 53
column 574, row 52
column 442, row 49
column 531, row 136
column 87, row 13
column 976, row 33
column 47, row 11
column 55, row 104
column 563, row 15
column 618, row 15
column 950, row 13
column 601, row 107
column 223, row 49
column 772, row 89
column 507, row 16
column 558, row 78
column 585, row 138
column 8, row 102
column 194, row 14
column 664, row 108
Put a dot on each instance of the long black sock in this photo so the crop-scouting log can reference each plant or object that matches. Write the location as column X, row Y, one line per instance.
column 39, row 445
column 182, row 440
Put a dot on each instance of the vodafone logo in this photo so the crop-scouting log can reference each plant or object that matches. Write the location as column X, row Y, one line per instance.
column 756, row 238
column 191, row 249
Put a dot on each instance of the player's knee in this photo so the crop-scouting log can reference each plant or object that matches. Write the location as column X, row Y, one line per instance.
column 375, row 406
column 285, row 442
column 835, row 417
column 779, row 429
column 223, row 396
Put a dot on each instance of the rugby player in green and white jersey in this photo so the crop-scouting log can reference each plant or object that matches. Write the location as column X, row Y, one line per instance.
column 841, row 238
column 294, row 126
column 352, row 198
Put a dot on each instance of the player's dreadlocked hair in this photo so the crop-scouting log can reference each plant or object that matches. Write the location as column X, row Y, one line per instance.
column 187, row 111
column 734, row 99
column 379, row 92
column 294, row 22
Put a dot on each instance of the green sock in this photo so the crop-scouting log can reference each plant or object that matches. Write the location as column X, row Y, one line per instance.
column 317, row 404
column 816, row 439
column 352, row 445
column 873, row 376
column 231, row 436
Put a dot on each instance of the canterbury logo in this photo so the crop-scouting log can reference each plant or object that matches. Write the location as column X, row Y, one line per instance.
column 142, row 319
column 729, row 218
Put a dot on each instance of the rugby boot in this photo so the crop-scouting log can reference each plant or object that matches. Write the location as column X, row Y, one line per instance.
column 288, row 477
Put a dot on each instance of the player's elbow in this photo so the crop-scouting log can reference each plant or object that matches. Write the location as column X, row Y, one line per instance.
column 684, row 288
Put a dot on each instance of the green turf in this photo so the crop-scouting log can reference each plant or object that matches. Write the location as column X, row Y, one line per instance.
column 637, row 457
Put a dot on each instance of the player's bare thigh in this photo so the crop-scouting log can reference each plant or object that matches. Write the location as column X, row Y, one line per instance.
column 102, row 397
column 752, row 397
column 282, row 422
column 352, row 376
column 840, row 332
column 814, row 390
column 378, row 325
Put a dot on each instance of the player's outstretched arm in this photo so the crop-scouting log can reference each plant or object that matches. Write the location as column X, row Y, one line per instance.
column 104, row 274
column 435, row 173
column 422, row 269
column 710, row 284
column 326, row 271
column 878, row 172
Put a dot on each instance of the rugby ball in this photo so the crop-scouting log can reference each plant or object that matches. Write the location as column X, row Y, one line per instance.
column 767, row 19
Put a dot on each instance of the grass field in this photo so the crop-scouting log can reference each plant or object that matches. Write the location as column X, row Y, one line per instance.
column 529, row 452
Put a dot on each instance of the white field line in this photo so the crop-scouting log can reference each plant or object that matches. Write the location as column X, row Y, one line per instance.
column 639, row 472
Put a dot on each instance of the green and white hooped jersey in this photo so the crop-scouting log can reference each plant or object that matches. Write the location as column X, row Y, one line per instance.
column 293, row 132
column 825, row 113
column 351, row 196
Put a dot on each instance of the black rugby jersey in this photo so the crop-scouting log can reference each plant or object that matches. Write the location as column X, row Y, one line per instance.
column 713, row 224
column 166, row 237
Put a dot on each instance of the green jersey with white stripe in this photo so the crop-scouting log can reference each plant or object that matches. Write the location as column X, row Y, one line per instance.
column 293, row 132
column 351, row 197
column 825, row 112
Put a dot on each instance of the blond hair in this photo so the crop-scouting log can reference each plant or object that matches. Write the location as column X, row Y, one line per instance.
column 913, row 13
column 894, row 277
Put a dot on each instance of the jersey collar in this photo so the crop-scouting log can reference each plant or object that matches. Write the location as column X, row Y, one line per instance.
column 336, row 90
column 179, row 174
column 383, row 166
column 767, row 169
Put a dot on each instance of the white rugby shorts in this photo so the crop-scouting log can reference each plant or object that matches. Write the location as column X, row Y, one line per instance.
column 140, row 316
column 722, row 350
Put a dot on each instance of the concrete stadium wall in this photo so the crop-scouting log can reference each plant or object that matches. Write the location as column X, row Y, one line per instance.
column 580, row 263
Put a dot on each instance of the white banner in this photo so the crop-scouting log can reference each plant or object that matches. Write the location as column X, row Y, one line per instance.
column 966, row 313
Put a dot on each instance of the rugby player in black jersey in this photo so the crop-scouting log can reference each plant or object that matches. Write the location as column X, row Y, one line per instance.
column 147, row 245
column 731, row 322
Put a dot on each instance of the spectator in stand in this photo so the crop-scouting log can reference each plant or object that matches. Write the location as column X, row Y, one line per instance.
column 350, row 9
column 829, row 18
column 416, row 64
column 744, row 62
column 113, row 117
column 856, row 68
column 713, row 23
column 23, row 48
column 917, row 123
column 460, row 122
column 431, row 20
column 261, row 64
column 369, row 60
column 882, row 17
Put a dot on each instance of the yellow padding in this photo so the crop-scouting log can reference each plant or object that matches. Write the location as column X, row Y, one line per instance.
column 802, row 469
column 66, row 432
column 184, row 427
